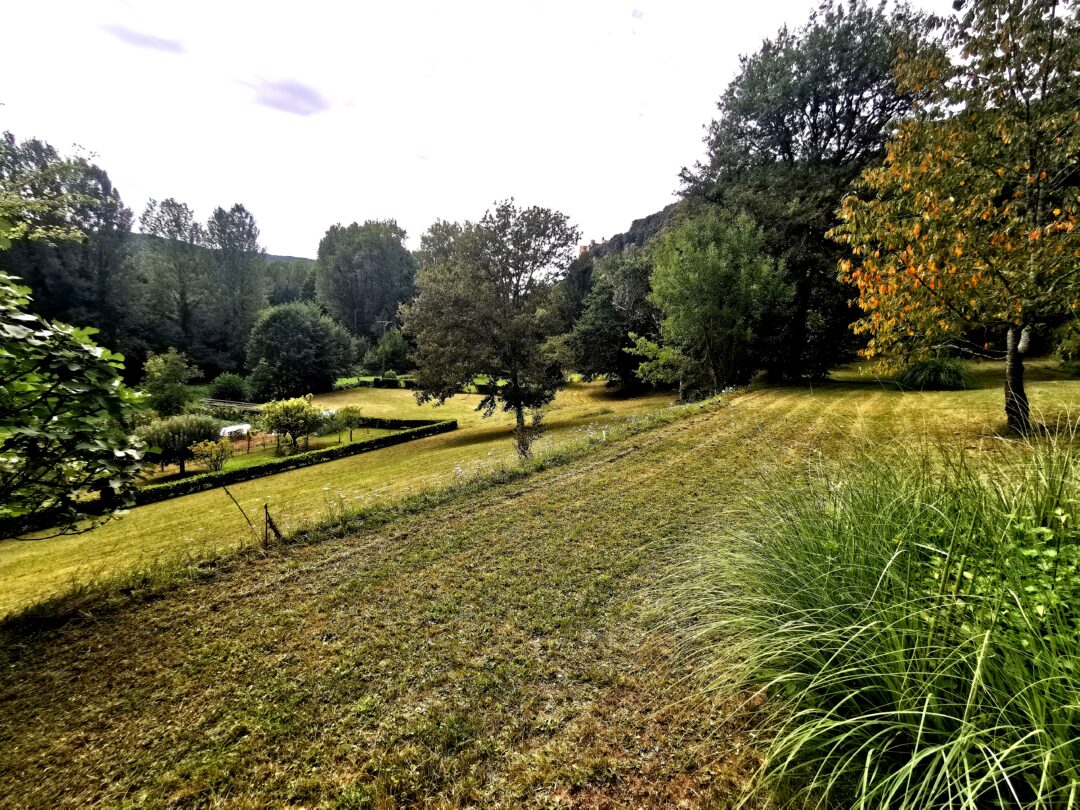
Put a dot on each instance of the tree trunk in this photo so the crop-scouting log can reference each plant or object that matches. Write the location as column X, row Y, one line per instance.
column 1017, row 409
column 182, row 462
column 521, row 433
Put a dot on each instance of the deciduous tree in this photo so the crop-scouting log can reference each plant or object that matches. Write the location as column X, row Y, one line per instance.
column 165, row 379
column 170, row 440
column 67, row 417
column 364, row 272
column 482, row 310
column 722, row 300
column 971, row 220
column 294, row 418
column 241, row 280
column 807, row 112
column 295, row 349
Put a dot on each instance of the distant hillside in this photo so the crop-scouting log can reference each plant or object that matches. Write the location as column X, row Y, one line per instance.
column 640, row 231
column 141, row 239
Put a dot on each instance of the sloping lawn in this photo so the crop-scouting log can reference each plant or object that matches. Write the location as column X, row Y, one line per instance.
column 504, row 649
column 208, row 523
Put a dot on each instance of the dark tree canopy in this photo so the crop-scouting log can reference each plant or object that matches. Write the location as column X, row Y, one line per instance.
column 176, row 269
column 482, row 311
column 241, row 280
column 617, row 307
column 294, row 350
column 292, row 280
column 805, row 115
column 364, row 272
column 81, row 280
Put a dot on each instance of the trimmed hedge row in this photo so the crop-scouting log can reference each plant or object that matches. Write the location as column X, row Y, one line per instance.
column 379, row 382
column 418, row 429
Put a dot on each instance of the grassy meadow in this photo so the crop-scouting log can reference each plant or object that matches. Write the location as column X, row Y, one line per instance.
column 515, row 645
column 208, row 523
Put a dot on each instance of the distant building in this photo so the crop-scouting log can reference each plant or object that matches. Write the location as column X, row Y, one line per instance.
column 593, row 244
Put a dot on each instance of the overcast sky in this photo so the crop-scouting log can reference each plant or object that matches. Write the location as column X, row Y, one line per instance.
column 321, row 112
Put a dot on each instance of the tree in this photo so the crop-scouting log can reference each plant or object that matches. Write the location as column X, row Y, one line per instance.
column 482, row 311
column 805, row 115
column 971, row 220
column 722, row 301
column 67, row 417
column 363, row 273
column 166, row 378
column 391, row 352
column 241, row 280
column 352, row 418
column 294, row 349
column 175, row 264
column 295, row 418
column 213, row 453
column 80, row 275
column 292, row 280
column 617, row 307
column 172, row 438
column 438, row 243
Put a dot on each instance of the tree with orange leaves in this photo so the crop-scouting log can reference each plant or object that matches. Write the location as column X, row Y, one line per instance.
column 971, row 222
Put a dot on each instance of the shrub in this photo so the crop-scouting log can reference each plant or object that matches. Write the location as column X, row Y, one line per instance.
column 230, row 386
column 934, row 374
column 390, row 375
column 170, row 439
column 1068, row 349
column 166, row 382
column 912, row 623
column 295, row 418
column 213, row 454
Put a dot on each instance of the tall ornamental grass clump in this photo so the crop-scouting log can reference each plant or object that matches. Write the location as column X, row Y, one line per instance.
column 913, row 623
column 934, row 374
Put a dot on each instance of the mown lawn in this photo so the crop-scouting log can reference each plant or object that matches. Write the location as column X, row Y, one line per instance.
column 263, row 449
column 208, row 523
column 507, row 648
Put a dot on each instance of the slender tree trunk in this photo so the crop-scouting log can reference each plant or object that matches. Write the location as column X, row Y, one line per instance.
column 1017, row 408
column 183, row 469
column 521, row 433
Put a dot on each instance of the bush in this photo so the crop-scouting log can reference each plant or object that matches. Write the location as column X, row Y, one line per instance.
column 912, row 621
column 213, row 454
column 934, row 374
column 390, row 375
column 230, row 386
column 1068, row 349
column 166, row 381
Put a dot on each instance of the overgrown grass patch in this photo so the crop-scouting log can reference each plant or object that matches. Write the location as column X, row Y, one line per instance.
column 910, row 619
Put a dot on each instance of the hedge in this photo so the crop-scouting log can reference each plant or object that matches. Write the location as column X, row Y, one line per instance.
column 414, row 429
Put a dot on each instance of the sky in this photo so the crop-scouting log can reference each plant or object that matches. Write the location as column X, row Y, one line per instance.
column 322, row 112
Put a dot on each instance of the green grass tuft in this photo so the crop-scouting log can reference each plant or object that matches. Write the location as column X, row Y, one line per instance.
column 934, row 374
column 910, row 621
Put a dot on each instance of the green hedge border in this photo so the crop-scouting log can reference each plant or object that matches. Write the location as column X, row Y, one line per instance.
column 411, row 429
